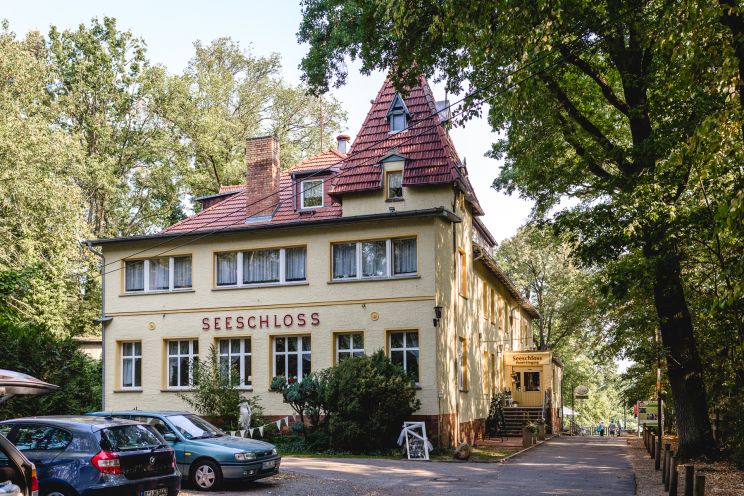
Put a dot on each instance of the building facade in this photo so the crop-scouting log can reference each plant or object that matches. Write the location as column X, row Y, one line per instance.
column 343, row 254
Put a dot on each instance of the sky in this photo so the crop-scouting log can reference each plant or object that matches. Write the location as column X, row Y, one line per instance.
column 169, row 29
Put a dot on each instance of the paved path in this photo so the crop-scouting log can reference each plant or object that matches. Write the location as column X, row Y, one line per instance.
column 562, row 466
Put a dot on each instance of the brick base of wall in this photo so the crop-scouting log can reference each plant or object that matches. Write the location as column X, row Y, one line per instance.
column 444, row 426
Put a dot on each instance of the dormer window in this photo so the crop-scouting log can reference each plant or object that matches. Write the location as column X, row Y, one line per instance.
column 311, row 193
column 398, row 114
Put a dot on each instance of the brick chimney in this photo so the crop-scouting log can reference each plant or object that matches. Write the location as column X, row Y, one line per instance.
column 262, row 176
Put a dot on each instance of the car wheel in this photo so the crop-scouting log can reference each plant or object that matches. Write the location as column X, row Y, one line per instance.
column 55, row 491
column 206, row 475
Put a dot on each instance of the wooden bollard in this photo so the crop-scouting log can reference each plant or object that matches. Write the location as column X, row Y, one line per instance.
column 673, row 475
column 657, row 456
column 665, row 467
column 652, row 447
column 699, row 485
column 689, row 480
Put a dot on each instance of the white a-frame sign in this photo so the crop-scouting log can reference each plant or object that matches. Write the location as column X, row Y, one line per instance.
column 417, row 445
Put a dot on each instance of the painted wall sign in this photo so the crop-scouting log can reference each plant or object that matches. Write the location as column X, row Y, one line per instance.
column 267, row 321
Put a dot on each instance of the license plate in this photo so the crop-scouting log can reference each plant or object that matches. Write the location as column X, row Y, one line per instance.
column 161, row 491
column 269, row 464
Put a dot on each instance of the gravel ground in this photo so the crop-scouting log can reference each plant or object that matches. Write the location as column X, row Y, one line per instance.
column 289, row 484
column 721, row 478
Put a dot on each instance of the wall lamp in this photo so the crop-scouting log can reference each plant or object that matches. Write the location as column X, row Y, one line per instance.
column 437, row 315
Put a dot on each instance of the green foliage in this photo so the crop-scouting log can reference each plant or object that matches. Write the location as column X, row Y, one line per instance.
column 107, row 94
column 215, row 393
column 34, row 349
column 226, row 95
column 368, row 399
column 542, row 266
column 357, row 406
column 630, row 108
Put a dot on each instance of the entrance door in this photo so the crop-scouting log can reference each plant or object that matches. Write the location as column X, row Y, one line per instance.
column 527, row 386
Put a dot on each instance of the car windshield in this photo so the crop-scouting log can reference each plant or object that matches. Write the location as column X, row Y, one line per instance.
column 194, row 427
column 130, row 438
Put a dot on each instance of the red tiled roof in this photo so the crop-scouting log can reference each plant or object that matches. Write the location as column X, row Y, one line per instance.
column 231, row 212
column 320, row 161
column 232, row 188
column 430, row 155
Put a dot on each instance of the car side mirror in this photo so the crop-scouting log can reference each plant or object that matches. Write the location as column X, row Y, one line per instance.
column 170, row 437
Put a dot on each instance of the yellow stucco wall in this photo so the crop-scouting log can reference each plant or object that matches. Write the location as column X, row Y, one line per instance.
column 406, row 303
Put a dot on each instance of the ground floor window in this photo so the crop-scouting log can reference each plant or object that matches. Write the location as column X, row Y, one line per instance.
column 235, row 360
column 404, row 351
column 349, row 345
column 532, row 381
column 292, row 356
column 131, row 365
column 182, row 355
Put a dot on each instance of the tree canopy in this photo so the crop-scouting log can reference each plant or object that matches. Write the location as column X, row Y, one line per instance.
column 629, row 107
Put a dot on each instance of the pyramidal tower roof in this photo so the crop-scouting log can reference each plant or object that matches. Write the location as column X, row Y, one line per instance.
column 430, row 156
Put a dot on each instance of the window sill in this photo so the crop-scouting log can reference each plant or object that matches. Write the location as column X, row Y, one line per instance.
column 176, row 390
column 261, row 285
column 143, row 293
column 392, row 200
column 128, row 390
column 374, row 279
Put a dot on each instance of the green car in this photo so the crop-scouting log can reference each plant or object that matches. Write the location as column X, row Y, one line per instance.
column 205, row 453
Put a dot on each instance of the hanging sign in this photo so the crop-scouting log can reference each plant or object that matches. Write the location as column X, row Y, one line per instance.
column 581, row 392
column 648, row 413
column 417, row 444
column 527, row 358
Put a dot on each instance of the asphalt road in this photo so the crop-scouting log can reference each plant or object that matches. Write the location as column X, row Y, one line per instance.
column 561, row 466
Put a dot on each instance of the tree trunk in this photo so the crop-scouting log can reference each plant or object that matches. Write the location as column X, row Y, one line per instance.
column 683, row 361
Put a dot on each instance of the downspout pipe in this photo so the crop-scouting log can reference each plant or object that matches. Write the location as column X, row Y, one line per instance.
column 103, row 319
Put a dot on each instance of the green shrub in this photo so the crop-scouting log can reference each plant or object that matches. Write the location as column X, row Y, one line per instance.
column 367, row 399
column 215, row 394
column 35, row 350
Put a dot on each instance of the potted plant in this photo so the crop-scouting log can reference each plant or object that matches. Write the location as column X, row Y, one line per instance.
column 529, row 434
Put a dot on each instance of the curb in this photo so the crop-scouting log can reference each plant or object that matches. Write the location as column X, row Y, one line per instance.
column 507, row 458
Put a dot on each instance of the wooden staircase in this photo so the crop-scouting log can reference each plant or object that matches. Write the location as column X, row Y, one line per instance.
column 517, row 416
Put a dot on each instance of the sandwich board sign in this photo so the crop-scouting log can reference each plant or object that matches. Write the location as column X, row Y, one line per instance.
column 648, row 413
column 417, row 444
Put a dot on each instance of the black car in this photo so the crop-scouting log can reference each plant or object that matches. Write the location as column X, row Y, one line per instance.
column 18, row 470
column 90, row 456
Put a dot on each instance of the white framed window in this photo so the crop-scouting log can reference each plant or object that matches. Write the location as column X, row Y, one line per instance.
column 261, row 267
column 394, row 189
column 235, row 360
column 157, row 274
column 374, row 259
column 183, row 355
column 403, row 347
column 292, row 356
column 311, row 193
column 131, row 365
column 349, row 344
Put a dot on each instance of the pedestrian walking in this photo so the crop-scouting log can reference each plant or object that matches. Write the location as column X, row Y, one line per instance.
column 601, row 428
column 612, row 428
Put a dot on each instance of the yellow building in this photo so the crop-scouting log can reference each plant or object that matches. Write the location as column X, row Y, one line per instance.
column 342, row 254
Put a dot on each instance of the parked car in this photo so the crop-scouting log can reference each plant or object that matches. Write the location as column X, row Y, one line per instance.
column 205, row 454
column 16, row 470
column 91, row 456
